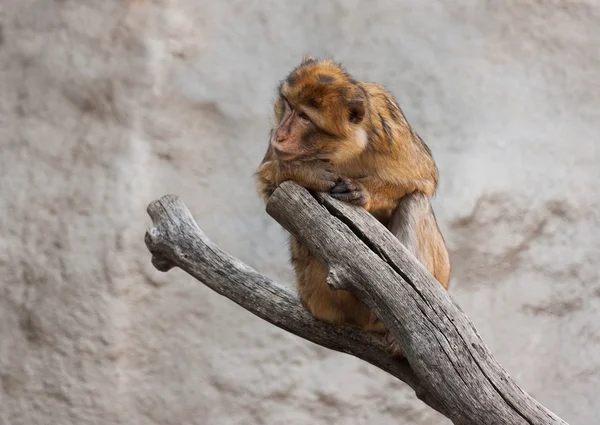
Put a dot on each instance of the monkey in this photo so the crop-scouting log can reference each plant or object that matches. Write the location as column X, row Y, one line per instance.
column 350, row 139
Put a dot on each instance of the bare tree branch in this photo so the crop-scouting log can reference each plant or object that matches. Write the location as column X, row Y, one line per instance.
column 176, row 241
column 450, row 368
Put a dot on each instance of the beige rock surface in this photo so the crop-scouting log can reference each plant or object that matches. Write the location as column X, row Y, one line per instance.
column 107, row 105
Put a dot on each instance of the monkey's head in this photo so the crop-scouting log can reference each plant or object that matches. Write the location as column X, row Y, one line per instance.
column 319, row 114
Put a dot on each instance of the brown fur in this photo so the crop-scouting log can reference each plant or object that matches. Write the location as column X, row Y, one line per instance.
column 349, row 138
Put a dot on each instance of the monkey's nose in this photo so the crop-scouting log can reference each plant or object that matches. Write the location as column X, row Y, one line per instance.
column 278, row 139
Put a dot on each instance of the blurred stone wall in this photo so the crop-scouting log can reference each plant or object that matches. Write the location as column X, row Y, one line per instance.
column 107, row 105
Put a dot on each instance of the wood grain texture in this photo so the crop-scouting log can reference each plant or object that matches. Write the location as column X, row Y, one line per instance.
column 449, row 366
column 175, row 240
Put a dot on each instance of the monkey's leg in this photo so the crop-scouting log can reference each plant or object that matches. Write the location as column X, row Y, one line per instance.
column 414, row 224
column 336, row 307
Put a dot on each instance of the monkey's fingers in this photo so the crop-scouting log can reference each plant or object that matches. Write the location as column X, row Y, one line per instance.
column 327, row 180
column 345, row 185
column 333, row 178
column 394, row 347
column 324, row 185
column 355, row 197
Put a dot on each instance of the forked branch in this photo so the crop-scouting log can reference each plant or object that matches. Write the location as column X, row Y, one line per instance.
column 448, row 366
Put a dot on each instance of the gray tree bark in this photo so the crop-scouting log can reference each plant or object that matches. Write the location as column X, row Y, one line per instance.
column 447, row 363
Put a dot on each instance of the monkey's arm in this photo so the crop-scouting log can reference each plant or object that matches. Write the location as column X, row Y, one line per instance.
column 385, row 193
column 312, row 174
column 414, row 224
column 412, row 219
column 375, row 194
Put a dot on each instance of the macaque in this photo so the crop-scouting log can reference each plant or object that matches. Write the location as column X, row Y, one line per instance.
column 350, row 139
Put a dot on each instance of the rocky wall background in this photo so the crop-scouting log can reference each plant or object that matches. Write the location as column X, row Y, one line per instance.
column 107, row 105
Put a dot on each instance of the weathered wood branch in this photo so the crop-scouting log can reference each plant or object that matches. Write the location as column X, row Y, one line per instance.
column 449, row 366
column 176, row 241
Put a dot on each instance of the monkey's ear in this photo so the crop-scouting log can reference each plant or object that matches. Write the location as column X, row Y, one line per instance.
column 356, row 111
column 307, row 59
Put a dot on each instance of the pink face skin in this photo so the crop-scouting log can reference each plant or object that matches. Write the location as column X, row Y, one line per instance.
column 286, row 138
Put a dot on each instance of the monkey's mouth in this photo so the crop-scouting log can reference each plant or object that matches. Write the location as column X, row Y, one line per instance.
column 299, row 156
column 283, row 155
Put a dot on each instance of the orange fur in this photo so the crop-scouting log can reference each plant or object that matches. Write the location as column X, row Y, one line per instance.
column 350, row 138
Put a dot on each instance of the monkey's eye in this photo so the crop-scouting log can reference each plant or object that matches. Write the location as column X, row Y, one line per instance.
column 304, row 117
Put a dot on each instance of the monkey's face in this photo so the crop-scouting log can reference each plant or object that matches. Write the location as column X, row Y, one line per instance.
column 295, row 135
column 319, row 114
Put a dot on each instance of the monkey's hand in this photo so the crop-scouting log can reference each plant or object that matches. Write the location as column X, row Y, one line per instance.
column 351, row 191
column 313, row 175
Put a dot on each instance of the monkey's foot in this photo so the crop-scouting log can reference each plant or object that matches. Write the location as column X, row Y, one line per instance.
column 394, row 347
column 350, row 191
